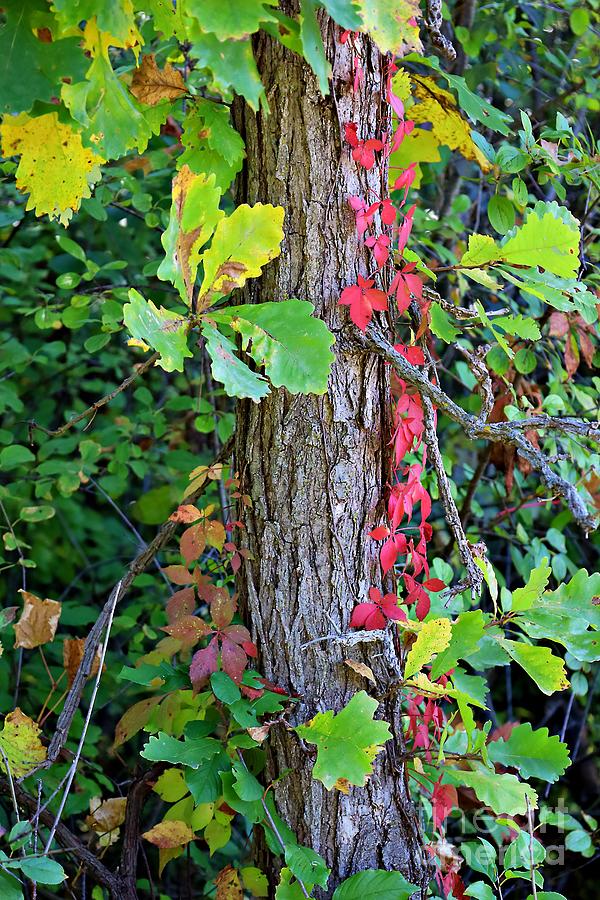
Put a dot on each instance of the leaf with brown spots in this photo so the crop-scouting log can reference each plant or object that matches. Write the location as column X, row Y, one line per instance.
column 20, row 743
column 152, row 85
column 38, row 621
column 228, row 884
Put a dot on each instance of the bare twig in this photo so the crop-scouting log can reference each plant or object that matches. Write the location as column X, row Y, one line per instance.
column 498, row 432
column 93, row 409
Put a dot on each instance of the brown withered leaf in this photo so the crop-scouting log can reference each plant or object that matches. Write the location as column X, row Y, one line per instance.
column 228, row 884
column 38, row 621
column 151, row 85
column 169, row 834
column 72, row 656
column 361, row 669
column 105, row 818
column 259, row 733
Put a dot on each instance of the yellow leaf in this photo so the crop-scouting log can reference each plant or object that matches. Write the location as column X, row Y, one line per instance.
column 55, row 169
column 419, row 146
column 167, row 835
column 171, row 786
column 228, row 884
column 38, row 621
column 151, row 85
column 392, row 24
column 21, row 745
column 433, row 637
column 438, row 108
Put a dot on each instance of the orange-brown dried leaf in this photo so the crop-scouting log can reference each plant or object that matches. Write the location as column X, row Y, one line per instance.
column 186, row 514
column 106, row 815
column 152, row 85
column 73, row 654
column 181, row 604
column 193, row 542
column 38, row 621
column 189, row 630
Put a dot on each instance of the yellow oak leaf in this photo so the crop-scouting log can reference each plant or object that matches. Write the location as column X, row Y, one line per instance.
column 55, row 169
column 21, row 746
column 38, row 621
column 151, row 85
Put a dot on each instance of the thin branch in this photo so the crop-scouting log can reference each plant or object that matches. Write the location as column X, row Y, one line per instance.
column 497, row 432
column 433, row 24
column 93, row 409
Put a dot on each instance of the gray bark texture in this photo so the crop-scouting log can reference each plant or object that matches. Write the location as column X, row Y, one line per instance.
column 316, row 468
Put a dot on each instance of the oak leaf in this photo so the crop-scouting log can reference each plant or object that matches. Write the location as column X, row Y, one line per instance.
column 38, row 621
column 151, row 85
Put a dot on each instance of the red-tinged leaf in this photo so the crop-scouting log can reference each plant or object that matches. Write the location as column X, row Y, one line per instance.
column 222, row 609
column 204, row 663
column 193, row 542
column 238, row 633
column 350, row 133
column 134, row 719
column 388, row 212
column 367, row 616
column 434, row 584
column 444, row 800
column 559, row 324
column 236, row 562
column 388, row 555
column 233, row 659
column 188, row 630
column 423, row 606
column 182, row 603
column 230, row 547
column 178, row 574
column 215, row 534
column 362, row 299
column 185, row 514
column 379, row 533
column 250, row 649
column 251, row 693
column 207, row 591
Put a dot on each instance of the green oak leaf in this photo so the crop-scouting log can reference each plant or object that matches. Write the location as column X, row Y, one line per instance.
column 31, row 69
column 548, row 238
column 524, row 598
column 306, row 865
column 535, row 754
column 163, row 330
column 375, row 884
column 235, row 376
column 234, row 19
column 547, row 670
column 116, row 18
column 347, row 742
column 287, row 340
column 345, row 12
column 519, row 326
column 467, row 631
column 481, row 249
column 243, row 243
column 502, row 793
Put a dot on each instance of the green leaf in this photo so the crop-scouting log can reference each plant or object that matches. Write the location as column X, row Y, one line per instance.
column 548, row 238
column 192, row 220
column 524, row 598
column 519, row 326
column 231, row 66
column 375, row 884
column 502, row 793
column 501, row 214
column 535, row 754
column 347, row 742
column 192, row 753
column 42, row 869
column 287, row 340
column 224, row 688
column 478, row 109
column 204, row 782
column 212, row 145
column 345, row 13
column 480, row 890
column 31, row 69
column 163, row 330
column 579, row 21
column 433, row 637
column 116, row 18
column 15, row 455
column 243, row 243
column 547, row 670
column 288, row 889
column 235, row 376
column 312, row 44
column 481, row 249
column 235, row 19
column 467, row 632
column 306, row 865
column 441, row 325
column 246, row 786
column 10, row 886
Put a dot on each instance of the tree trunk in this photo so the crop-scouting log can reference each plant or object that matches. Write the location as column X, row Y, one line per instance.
column 316, row 467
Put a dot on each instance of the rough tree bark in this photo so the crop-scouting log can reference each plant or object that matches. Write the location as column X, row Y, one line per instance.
column 316, row 467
